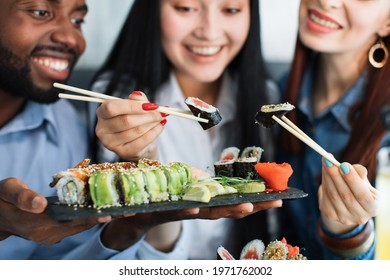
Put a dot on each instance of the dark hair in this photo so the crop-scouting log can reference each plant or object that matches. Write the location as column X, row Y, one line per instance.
column 367, row 128
column 137, row 59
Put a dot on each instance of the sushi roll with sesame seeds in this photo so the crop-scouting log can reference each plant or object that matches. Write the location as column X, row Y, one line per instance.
column 132, row 184
column 102, row 185
column 264, row 116
column 203, row 110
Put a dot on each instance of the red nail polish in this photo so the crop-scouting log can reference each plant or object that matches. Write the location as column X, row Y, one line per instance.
column 149, row 106
column 137, row 92
column 164, row 115
column 163, row 122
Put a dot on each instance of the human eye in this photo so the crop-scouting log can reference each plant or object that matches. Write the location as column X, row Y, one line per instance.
column 184, row 9
column 78, row 21
column 232, row 10
column 42, row 14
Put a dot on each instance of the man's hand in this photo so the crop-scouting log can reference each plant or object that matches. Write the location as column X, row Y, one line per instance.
column 22, row 214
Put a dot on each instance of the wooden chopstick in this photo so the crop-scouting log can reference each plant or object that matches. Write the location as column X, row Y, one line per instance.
column 307, row 140
column 100, row 98
column 291, row 127
column 291, row 124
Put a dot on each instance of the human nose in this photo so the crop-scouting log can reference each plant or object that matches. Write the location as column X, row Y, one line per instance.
column 68, row 35
column 208, row 26
column 329, row 4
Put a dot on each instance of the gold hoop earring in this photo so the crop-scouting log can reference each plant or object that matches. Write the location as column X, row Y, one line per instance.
column 379, row 45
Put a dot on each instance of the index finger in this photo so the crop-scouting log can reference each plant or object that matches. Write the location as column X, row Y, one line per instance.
column 113, row 108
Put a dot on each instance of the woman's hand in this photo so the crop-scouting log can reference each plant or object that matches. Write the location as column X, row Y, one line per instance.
column 130, row 127
column 346, row 197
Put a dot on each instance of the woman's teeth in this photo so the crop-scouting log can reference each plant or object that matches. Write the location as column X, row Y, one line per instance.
column 323, row 22
column 58, row 65
column 205, row 50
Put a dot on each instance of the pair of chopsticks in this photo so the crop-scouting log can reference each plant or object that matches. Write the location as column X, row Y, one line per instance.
column 293, row 129
column 92, row 96
column 296, row 131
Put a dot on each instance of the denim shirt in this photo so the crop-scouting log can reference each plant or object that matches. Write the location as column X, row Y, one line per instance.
column 331, row 130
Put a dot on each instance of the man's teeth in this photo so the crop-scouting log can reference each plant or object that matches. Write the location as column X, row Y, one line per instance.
column 58, row 65
column 205, row 50
column 323, row 22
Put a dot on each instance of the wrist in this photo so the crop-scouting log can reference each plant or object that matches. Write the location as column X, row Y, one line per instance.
column 351, row 246
column 118, row 235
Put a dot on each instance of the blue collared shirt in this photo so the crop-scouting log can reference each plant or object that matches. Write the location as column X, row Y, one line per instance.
column 331, row 130
column 37, row 143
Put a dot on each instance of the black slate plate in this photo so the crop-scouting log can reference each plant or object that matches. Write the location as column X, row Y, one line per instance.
column 67, row 213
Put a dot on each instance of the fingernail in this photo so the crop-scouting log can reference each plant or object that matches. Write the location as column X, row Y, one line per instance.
column 344, row 168
column 149, row 106
column 163, row 122
column 137, row 92
column 164, row 115
column 328, row 163
column 36, row 202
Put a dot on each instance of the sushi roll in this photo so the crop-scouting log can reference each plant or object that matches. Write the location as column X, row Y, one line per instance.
column 264, row 116
column 72, row 186
column 224, row 168
column 103, row 190
column 132, row 186
column 253, row 151
column 244, row 166
column 203, row 110
column 230, row 153
column 156, row 184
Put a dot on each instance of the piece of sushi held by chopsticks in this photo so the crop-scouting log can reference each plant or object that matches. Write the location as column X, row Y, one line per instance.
column 203, row 110
column 264, row 116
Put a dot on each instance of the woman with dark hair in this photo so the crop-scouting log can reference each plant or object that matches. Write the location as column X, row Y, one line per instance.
column 167, row 51
column 339, row 82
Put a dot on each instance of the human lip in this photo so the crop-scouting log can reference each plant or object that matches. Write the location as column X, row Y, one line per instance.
column 205, row 50
column 323, row 20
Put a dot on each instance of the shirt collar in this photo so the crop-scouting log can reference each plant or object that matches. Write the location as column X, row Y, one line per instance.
column 340, row 109
column 171, row 93
column 33, row 116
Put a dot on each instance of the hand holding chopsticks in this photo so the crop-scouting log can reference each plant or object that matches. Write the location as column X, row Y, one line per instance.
column 100, row 98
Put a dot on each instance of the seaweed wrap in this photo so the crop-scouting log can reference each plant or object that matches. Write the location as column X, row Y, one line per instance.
column 203, row 110
column 244, row 166
column 264, row 116
column 224, row 168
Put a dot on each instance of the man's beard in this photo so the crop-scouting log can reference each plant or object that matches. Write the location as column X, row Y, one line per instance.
column 15, row 79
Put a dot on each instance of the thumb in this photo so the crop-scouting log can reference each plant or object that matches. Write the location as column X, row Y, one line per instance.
column 361, row 170
column 17, row 193
column 138, row 96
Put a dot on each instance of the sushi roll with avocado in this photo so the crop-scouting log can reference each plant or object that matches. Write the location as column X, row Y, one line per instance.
column 203, row 110
column 132, row 187
column 264, row 116
column 102, row 185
